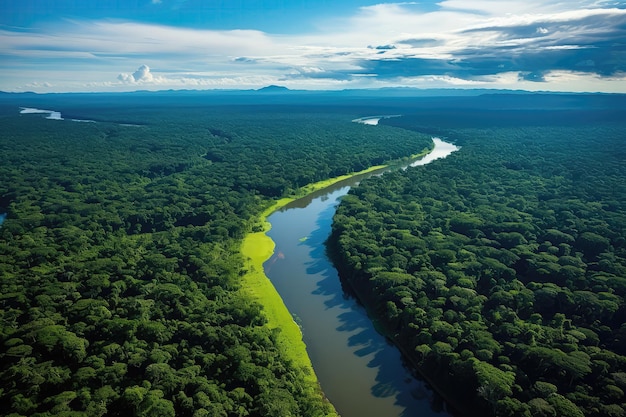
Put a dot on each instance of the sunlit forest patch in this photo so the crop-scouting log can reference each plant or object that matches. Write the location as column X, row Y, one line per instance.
column 501, row 271
column 120, row 254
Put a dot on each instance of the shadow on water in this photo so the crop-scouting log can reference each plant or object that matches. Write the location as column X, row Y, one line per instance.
column 393, row 378
column 359, row 370
column 330, row 285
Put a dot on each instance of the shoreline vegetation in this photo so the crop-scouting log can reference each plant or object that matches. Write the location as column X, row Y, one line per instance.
column 123, row 271
column 124, row 256
column 257, row 248
column 122, row 265
column 505, row 296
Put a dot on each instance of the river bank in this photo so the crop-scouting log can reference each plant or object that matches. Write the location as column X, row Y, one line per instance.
column 257, row 247
column 364, row 295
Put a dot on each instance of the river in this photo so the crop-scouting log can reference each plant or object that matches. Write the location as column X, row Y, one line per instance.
column 360, row 372
column 52, row 114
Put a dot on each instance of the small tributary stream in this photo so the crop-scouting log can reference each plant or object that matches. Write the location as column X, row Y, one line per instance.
column 361, row 373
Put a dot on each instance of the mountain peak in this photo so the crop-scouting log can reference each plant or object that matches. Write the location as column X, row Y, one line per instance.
column 273, row 89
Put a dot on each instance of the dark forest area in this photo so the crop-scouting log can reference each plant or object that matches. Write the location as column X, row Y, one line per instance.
column 120, row 268
column 500, row 271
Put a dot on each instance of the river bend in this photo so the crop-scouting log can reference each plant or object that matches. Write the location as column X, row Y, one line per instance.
column 360, row 372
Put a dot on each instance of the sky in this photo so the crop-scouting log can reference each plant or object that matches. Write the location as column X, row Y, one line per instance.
column 127, row 45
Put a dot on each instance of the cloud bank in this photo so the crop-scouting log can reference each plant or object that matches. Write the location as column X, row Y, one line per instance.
column 142, row 75
column 531, row 44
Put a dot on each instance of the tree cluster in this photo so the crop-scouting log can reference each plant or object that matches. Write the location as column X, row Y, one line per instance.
column 120, row 271
column 501, row 270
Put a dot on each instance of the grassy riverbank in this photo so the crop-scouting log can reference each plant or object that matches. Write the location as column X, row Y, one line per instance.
column 257, row 248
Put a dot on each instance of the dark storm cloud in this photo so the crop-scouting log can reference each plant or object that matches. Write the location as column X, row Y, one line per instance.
column 537, row 77
column 245, row 60
column 317, row 73
column 585, row 30
column 383, row 47
column 408, row 67
column 422, row 43
column 603, row 59
column 593, row 44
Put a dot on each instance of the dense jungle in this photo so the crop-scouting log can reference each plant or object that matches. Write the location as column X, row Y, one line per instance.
column 500, row 272
column 121, row 272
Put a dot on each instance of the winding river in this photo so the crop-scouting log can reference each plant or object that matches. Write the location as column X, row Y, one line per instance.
column 360, row 372
column 52, row 114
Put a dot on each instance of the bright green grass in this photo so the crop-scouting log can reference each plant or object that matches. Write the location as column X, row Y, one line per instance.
column 256, row 248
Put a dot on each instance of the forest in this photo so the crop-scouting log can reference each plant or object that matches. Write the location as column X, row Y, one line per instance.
column 120, row 269
column 500, row 272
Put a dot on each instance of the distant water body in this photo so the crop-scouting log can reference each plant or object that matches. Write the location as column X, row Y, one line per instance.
column 373, row 120
column 52, row 114
column 360, row 372
column 441, row 150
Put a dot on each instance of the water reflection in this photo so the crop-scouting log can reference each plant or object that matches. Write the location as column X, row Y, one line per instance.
column 440, row 150
column 359, row 370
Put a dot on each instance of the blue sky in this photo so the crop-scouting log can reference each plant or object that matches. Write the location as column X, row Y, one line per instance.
column 116, row 45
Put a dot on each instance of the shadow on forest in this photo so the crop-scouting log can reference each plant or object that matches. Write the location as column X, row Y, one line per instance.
column 393, row 379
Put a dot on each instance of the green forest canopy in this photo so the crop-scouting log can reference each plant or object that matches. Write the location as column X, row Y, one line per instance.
column 501, row 271
column 120, row 253
column 120, row 266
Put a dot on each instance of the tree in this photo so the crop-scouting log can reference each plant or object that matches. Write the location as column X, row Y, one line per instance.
column 592, row 244
column 493, row 383
column 564, row 407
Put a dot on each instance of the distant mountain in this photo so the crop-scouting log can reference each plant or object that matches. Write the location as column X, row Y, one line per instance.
column 364, row 101
column 387, row 92
column 429, row 92
column 273, row 89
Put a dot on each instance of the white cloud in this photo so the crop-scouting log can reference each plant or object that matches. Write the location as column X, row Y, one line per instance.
column 38, row 85
column 142, row 75
column 513, row 7
column 334, row 57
